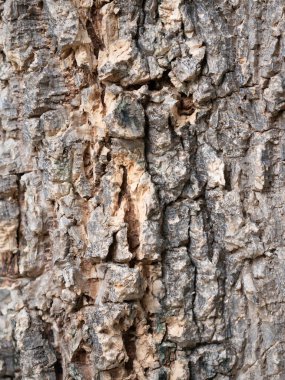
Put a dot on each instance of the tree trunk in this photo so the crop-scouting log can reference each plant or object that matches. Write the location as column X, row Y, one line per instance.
column 142, row 189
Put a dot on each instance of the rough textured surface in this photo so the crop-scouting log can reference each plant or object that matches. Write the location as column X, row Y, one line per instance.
column 142, row 197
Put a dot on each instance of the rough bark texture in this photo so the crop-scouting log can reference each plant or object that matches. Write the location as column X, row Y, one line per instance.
column 142, row 189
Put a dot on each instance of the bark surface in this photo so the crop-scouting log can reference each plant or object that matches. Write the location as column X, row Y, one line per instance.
column 142, row 189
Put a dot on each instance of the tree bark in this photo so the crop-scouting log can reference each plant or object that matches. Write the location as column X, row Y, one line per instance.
column 142, row 189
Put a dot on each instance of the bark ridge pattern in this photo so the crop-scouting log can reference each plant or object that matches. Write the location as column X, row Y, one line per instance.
column 142, row 193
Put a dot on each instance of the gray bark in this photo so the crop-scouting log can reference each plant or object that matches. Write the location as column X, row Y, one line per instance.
column 142, row 189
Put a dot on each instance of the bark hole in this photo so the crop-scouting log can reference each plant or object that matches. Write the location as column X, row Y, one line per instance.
column 129, row 338
column 88, row 167
column 58, row 370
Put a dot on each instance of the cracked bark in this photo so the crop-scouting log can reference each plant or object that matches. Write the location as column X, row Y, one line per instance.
column 141, row 189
